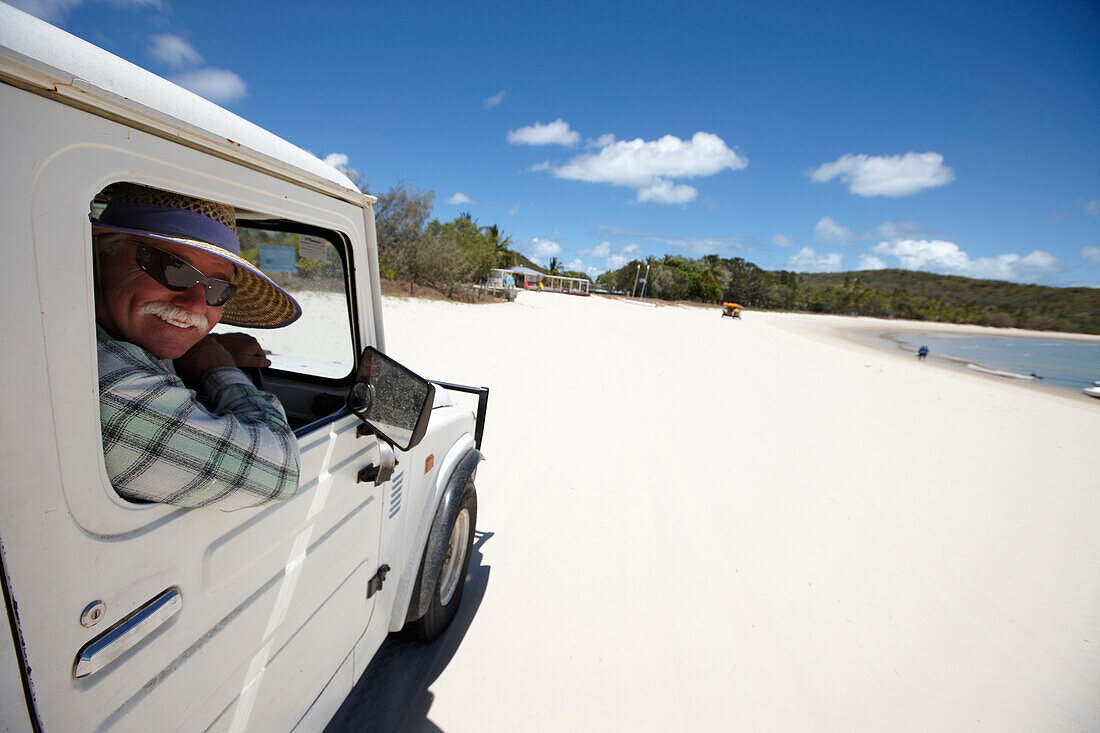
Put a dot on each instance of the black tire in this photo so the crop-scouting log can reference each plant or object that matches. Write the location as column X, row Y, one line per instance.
column 448, row 585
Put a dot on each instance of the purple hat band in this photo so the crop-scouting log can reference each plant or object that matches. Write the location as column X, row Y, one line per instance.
column 171, row 222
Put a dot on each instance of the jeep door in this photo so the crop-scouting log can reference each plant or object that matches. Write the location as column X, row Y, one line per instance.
column 229, row 620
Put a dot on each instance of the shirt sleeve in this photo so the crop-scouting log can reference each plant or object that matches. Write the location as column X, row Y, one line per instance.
column 161, row 444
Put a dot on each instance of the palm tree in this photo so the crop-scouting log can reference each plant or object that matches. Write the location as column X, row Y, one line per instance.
column 555, row 267
column 713, row 274
column 497, row 239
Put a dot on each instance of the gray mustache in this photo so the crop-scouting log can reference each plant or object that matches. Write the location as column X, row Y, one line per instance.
column 175, row 316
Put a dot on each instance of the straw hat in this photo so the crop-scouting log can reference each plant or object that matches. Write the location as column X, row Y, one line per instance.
column 206, row 226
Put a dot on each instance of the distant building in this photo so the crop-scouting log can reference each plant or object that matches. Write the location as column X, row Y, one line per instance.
column 500, row 282
column 533, row 279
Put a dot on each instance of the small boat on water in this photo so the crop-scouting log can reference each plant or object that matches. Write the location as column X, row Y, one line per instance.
column 1093, row 390
column 1001, row 372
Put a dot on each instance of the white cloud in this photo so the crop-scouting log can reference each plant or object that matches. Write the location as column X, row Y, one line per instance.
column 1091, row 253
column 158, row 4
column 638, row 163
column 54, row 11
column 935, row 255
column 602, row 141
column 337, row 160
column 692, row 245
column 217, row 85
column 460, row 198
column 782, row 240
column 1092, row 208
column 494, row 100
column 603, row 249
column 552, row 133
column 650, row 167
column 613, row 257
column 809, row 261
column 541, row 250
column 575, row 266
column 947, row 258
column 870, row 262
column 614, row 262
column 667, row 192
column 174, row 51
column 829, row 230
column 700, row 246
column 886, row 175
column 897, row 230
column 51, row 11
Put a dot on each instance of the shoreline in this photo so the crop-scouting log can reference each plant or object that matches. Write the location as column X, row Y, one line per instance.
column 890, row 341
column 879, row 335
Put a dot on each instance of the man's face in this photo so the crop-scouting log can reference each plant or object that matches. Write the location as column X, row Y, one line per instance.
column 133, row 307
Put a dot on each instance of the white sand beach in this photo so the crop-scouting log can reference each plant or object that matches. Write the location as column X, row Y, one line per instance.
column 695, row 523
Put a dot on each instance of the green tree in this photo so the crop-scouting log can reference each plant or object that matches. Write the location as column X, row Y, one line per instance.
column 621, row 280
column 746, row 283
column 472, row 254
column 400, row 215
column 500, row 243
column 711, row 277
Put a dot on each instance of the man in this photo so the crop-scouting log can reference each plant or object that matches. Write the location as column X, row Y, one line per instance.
column 168, row 269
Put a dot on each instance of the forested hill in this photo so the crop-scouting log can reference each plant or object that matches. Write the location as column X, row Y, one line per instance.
column 887, row 293
column 993, row 302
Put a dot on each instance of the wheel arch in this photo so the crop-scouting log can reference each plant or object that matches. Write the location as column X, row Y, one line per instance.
column 449, row 504
column 456, row 470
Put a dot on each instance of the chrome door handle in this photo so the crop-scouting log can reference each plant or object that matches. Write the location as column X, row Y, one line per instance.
column 380, row 474
column 123, row 636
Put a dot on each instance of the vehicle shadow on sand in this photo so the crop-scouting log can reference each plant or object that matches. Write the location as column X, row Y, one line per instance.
column 392, row 695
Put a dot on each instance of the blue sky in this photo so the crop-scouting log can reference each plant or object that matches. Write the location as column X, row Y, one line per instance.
column 957, row 137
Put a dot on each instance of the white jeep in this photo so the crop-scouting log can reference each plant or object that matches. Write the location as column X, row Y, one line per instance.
column 146, row 617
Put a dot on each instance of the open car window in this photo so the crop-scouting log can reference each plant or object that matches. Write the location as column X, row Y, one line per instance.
column 312, row 267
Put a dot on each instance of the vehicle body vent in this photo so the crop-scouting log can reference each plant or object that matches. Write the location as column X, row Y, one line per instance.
column 397, row 484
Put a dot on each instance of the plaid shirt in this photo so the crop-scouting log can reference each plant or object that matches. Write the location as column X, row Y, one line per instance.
column 161, row 443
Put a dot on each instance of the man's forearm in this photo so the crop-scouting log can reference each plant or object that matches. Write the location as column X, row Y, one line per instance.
column 161, row 445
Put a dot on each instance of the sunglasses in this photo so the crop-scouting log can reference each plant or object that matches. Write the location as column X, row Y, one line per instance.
column 176, row 274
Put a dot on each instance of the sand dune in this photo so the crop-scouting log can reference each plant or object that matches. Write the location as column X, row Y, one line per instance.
column 706, row 524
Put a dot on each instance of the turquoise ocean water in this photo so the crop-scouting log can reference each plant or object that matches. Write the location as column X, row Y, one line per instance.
column 1061, row 363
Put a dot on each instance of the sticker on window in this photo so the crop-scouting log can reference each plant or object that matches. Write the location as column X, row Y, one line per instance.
column 274, row 258
column 312, row 247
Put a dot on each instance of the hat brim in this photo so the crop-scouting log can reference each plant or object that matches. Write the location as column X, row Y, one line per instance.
column 258, row 302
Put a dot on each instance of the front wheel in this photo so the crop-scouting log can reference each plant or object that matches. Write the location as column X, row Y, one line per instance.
column 451, row 580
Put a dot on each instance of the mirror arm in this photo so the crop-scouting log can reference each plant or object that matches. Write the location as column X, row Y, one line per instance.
column 482, row 403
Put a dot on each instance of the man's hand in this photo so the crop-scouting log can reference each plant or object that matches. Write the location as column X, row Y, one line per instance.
column 245, row 350
column 233, row 349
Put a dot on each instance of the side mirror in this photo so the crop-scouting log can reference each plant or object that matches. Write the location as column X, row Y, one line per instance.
column 391, row 399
